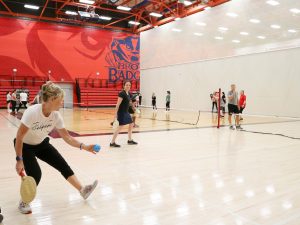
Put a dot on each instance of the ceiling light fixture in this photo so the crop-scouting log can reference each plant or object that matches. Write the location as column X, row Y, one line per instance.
column 233, row 15
column 90, row 2
column 176, row 30
column 155, row 14
column 294, row 10
column 244, row 33
column 198, row 34
column 223, row 28
column 254, row 21
column 261, row 37
column 134, row 23
column 187, row 3
column 275, row 26
column 105, row 18
column 124, row 8
column 272, row 2
column 292, row 31
column 201, row 24
column 31, row 6
column 219, row 38
column 71, row 13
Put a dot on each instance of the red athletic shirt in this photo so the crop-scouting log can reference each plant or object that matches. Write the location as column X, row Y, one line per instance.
column 242, row 102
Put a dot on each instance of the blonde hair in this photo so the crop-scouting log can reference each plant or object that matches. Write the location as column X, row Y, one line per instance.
column 50, row 90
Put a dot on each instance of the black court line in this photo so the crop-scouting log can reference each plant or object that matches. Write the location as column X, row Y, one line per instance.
column 176, row 129
column 54, row 133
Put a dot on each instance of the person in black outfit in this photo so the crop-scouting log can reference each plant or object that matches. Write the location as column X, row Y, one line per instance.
column 14, row 101
column 223, row 103
column 140, row 99
column 214, row 102
column 123, row 116
column 1, row 217
column 154, row 101
column 132, row 110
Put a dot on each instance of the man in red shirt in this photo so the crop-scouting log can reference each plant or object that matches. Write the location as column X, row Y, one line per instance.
column 242, row 103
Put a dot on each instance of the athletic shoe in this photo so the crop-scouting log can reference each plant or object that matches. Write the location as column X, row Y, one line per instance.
column 88, row 189
column 114, row 145
column 231, row 127
column 24, row 208
column 239, row 128
column 132, row 142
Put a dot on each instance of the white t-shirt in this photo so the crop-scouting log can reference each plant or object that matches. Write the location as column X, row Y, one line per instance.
column 39, row 125
column 8, row 97
column 23, row 97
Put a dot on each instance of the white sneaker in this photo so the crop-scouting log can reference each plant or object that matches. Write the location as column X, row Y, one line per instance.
column 88, row 189
column 24, row 208
column 232, row 127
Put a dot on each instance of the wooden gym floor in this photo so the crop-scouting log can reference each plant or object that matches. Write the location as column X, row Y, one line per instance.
column 174, row 176
column 90, row 121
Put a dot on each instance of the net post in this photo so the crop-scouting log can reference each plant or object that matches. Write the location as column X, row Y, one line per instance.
column 219, row 108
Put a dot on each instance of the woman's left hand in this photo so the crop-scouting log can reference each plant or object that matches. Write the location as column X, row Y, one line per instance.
column 89, row 148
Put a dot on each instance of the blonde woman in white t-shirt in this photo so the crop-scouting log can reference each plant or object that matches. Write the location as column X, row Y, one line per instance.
column 32, row 141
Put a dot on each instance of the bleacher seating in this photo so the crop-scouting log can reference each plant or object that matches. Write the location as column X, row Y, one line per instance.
column 98, row 97
column 100, row 93
column 90, row 92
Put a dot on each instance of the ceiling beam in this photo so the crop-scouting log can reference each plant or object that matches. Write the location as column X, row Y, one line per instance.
column 67, row 22
column 125, row 2
column 45, row 6
column 164, row 5
column 8, row 9
column 117, row 21
column 63, row 5
column 96, row 6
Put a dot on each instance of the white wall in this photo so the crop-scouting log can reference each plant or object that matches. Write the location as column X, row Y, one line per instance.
column 271, row 82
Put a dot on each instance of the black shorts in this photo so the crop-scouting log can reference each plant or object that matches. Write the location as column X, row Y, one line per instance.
column 167, row 104
column 233, row 109
column 124, row 118
column 130, row 110
column 8, row 101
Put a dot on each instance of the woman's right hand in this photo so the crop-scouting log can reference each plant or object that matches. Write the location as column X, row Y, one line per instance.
column 19, row 166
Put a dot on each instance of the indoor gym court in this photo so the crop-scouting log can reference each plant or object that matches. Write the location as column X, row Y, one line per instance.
column 184, row 170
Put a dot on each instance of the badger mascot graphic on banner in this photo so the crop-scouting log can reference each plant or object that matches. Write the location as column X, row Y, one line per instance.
column 124, row 59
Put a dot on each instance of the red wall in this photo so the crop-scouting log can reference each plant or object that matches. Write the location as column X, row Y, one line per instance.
column 34, row 48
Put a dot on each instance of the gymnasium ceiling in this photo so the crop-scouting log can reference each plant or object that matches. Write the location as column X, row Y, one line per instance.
column 97, row 10
column 237, row 27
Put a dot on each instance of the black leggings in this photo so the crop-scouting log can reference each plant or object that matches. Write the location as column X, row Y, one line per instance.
column 213, row 106
column 154, row 105
column 20, row 105
column 167, row 106
column 13, row 105
column 47, row 153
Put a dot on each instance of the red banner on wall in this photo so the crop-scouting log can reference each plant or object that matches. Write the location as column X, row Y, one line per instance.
column 67, row 52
